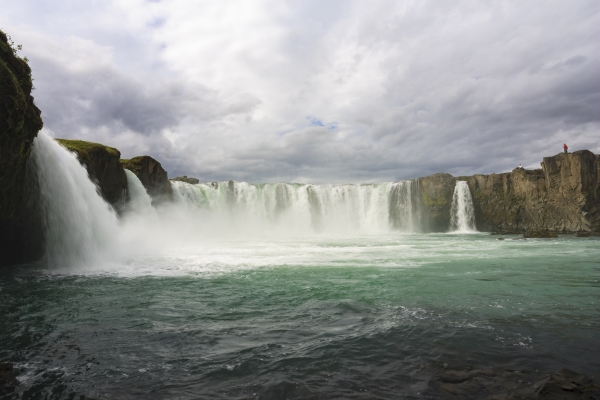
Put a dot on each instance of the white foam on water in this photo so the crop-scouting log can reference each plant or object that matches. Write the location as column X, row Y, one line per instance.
column 226, row 226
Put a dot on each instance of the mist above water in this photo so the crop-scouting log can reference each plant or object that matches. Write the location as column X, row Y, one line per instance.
column 81, row 229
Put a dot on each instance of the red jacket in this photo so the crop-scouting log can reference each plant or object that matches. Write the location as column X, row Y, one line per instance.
column 565, row 146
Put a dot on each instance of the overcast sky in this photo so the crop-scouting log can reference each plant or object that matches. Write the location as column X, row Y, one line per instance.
column 317, row 91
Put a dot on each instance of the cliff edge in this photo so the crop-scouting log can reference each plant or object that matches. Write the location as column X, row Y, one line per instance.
column 153, row 177
column 103, row 166
column 562, row 196
column 20, row 121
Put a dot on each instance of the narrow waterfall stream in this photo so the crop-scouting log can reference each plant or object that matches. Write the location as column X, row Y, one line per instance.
column 462, row 213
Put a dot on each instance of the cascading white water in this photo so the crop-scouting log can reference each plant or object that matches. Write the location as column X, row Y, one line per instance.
column 462, row 213
column 80, row 228
column 301, row 208
column 139, row 201
column 78, row 224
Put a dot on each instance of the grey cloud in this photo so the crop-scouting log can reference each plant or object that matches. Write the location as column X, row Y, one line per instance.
column 460, row 87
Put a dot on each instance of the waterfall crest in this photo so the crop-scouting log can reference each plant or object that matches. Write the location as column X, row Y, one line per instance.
column 78, row 224
column 462, row 212
column 81, row 229
column 305, row 208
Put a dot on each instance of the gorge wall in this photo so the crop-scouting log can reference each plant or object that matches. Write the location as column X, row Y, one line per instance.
column 563, row 196
column 20, row 121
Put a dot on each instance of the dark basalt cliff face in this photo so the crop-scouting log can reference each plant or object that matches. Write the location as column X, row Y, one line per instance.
column 104, row 168
column 436, row 200
column 20, row 121
column 186, row 179
column 153, row 177
column 563, row 196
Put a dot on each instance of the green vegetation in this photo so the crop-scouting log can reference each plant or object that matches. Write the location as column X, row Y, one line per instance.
column 428, row 201
column 87, row 151
column 19, row 123
column 135, row 164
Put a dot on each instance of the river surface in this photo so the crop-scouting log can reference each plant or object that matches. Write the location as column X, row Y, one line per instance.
column 357, row 316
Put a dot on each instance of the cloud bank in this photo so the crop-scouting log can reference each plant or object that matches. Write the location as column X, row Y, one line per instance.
column 342, row 91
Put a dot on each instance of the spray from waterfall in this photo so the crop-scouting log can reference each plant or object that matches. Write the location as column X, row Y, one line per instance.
column 304, row 209
column 139, row 202
column 79, row 226
column 462, row 212
column 81, row 229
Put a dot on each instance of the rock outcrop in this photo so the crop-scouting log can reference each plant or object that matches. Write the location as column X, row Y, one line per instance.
column 20, row 121
column 104, row 168
column 563, row 196
column 185, row 179
column 436, row 200
column 490, row 384
column 153, row 177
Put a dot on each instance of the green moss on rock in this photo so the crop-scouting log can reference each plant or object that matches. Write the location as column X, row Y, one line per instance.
column 20, row 121
column 104, row 167
column 86, row 150
column 153, row 177
column 437, row 201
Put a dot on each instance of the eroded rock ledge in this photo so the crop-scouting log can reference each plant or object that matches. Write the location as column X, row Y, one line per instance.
column 103, row 166
column 563, row 196
column 153, row 177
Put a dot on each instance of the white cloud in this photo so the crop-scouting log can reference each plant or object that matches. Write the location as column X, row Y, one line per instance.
column 402, row 89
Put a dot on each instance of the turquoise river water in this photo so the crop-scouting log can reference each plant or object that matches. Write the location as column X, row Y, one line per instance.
column 235, row 290
column 326, row 317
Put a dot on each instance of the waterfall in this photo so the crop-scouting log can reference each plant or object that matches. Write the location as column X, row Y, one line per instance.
column 78, row 224
column 305, row 208
column 404, row 206
column 80, row 228
column 139, row 200
column 462, row 213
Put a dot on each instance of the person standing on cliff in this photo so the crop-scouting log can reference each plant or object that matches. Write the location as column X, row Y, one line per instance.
column 565, row 147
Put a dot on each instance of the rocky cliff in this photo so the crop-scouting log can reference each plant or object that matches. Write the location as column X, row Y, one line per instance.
column 563, row 196
column 153, row 177
column 436, row 200
column 103, row 166
column 20, row 121
column 186, row 179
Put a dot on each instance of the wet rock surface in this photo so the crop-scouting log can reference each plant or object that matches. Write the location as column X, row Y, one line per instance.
column 539, row 235
column 489, row 384
column 20, row 121
column 563, row 196
column 153, row 177
column 103, row 166
column 186, row 179
column 7, row 380
column 436, row 200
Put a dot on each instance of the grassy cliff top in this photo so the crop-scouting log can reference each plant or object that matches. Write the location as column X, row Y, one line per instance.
column 87, row 150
